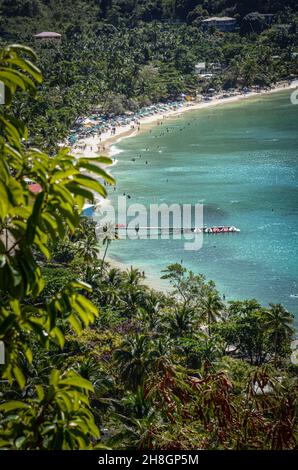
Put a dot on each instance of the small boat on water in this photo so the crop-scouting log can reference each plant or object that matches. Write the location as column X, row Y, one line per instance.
column 217, row 229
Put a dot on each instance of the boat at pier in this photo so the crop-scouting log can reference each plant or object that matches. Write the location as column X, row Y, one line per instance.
column 217, row 229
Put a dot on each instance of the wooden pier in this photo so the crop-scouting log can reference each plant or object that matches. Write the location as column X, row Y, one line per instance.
column 195, row 230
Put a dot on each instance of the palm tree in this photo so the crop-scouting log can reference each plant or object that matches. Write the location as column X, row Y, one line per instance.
column 106, row 233
column 91, row 370
column 279, row 321
column 92, row 276
column 211, row 307
column 114, row 277
column 148, row 315
column 180, row 323
column 137, row 404
column 134, row 293
column 161, row 355
column 86, row 228
column 133, row 297
column 201, row 349
column 133, row 276
column 111, row 288
column 87, row 248
column 133, row 359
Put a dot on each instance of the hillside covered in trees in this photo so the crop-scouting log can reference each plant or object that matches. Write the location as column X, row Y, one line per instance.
column 94, row 359
column 122, row 55
column 21, row 16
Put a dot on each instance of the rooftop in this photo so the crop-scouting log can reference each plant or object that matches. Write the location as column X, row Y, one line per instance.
column 47, row 34
column 35, row 188
column 219, row 18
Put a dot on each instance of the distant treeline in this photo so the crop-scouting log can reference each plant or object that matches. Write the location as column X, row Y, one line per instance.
column 122, row 55
column 21, row 16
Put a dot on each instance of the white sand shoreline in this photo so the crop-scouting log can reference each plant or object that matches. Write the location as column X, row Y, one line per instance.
column 101, row 144
column 149, row 280
column 122, row 132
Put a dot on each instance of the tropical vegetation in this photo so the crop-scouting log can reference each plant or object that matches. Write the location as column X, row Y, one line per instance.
column 93, row 357
column 118, row 56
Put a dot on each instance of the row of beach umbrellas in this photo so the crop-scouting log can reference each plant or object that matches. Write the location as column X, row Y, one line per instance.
column 94, row 123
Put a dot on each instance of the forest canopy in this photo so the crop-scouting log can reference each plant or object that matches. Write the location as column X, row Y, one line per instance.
column 62, row 14
column 95, row 359
column 123, row 55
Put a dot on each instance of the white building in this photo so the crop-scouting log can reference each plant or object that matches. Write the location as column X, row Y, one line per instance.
column 200, row 67
column 48, row 35
column 223, row 23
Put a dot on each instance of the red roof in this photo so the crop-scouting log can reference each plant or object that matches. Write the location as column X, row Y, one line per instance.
column 35, row 188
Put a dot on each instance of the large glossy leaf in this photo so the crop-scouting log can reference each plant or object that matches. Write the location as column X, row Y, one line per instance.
column 12, row 406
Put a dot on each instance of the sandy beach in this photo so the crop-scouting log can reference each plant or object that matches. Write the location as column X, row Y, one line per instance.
column 160, row 285
column 101, row 144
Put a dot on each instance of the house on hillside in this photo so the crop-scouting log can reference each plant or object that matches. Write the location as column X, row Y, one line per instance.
column 200, row 67
column 203, row 70
column 47, row 35
column 224, row 23
column 216, row 67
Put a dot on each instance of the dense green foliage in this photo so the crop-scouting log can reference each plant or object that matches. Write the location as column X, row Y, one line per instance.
column 66, row 14
column 123, row 55
column 93, row 357
column 56, row 411
column 173, row 371
column 163, row 371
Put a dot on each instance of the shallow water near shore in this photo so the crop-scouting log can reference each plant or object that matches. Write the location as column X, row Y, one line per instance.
column 241, row 161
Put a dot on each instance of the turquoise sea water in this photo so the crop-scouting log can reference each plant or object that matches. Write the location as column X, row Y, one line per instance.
column 241, row 161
